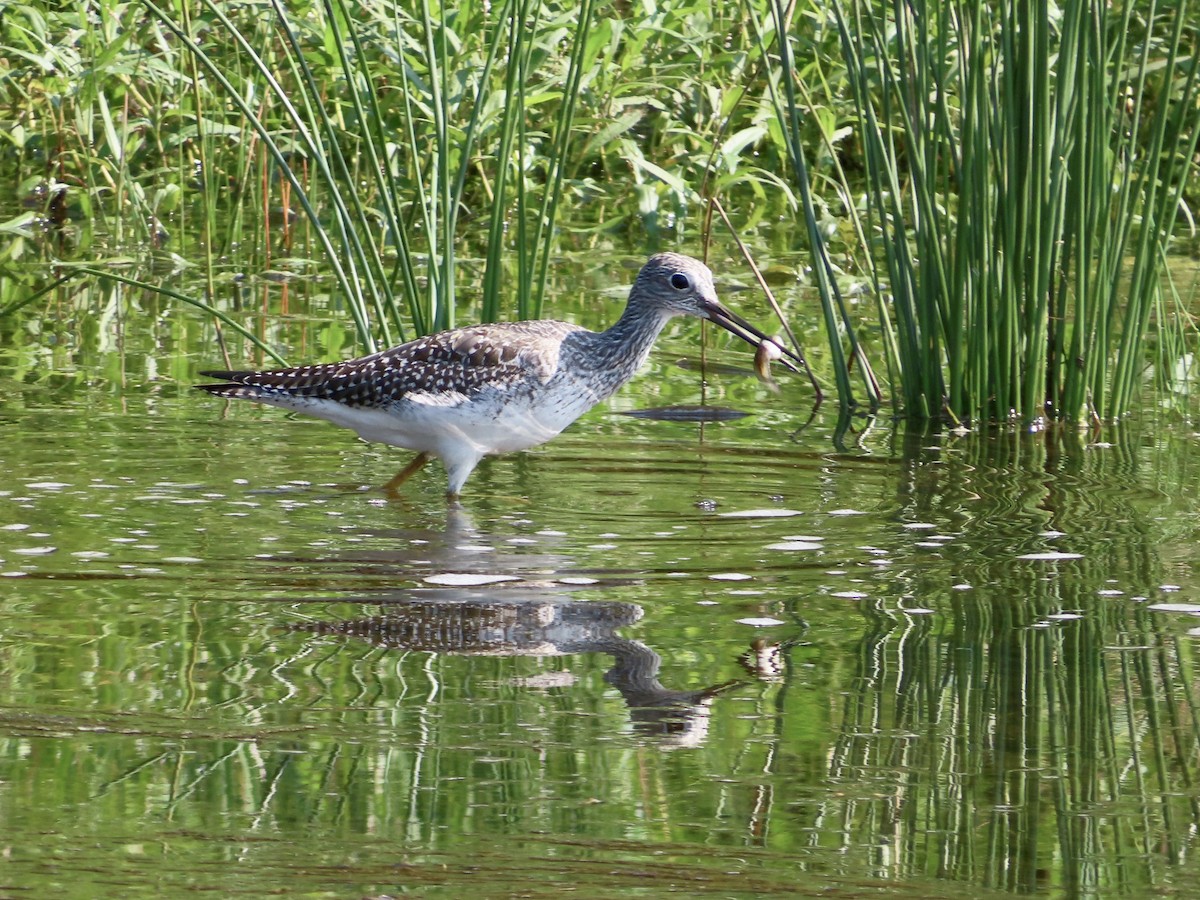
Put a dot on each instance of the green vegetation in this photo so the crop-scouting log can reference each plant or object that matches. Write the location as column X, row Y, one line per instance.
column 1025, row 168
column 1000, row 180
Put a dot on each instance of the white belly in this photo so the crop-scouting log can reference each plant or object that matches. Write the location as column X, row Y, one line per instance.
column 446, row 424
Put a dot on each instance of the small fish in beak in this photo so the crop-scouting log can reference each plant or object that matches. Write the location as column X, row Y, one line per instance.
column 736, row 325
column 768, row 350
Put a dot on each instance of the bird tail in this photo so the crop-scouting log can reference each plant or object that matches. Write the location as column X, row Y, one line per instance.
column 236, row 386
column 295, row 388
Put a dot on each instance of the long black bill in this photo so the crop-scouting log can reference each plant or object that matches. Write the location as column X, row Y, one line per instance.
column 735, row 324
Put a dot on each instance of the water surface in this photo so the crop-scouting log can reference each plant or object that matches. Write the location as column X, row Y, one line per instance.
column 725, row 658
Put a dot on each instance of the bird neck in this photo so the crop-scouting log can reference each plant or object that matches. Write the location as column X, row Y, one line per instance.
column 614, row 356
column 637, row 329
column 632, row 336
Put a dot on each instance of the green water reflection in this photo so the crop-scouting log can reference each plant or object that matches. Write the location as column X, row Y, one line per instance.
column 720, row 658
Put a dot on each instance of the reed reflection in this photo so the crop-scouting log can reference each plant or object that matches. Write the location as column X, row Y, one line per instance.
column 1041, row 720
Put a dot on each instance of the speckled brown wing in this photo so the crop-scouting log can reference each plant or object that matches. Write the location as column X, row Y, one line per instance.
column 462, row 362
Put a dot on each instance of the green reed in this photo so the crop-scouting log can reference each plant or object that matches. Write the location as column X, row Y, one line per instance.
column 390, row 125
column 999, row 193
column 394, row 131
column 839, row 325
column 1025, row 166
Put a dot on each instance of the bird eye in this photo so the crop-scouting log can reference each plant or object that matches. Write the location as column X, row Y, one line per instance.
column 680, row 282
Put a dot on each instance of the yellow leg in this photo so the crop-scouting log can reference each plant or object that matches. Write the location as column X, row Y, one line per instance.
column 407, row 472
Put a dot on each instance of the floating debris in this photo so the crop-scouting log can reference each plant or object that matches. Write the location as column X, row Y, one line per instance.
column 1190, row 608
column 466, row 579
column 760, row 622
column 760, row 514
column 688, row 413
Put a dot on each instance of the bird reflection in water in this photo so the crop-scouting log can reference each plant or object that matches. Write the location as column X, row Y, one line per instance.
column 524, row 618
column 540, row 626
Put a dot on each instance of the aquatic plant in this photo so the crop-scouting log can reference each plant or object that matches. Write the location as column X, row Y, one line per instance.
column 382, row 140
column 987, row 192
column 1024, row 166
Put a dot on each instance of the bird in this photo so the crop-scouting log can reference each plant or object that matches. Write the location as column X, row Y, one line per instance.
column 471, row 392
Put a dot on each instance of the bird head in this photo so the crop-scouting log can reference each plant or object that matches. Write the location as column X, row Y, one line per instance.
column 682, row 286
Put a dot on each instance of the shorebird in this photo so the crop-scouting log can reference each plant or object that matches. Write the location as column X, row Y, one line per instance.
column 471, row 392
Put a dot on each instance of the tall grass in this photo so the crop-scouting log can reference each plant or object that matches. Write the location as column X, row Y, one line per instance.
column 403, row 135
column 839, row 326
column 1024, row 164
column 407, row 138
column 998, row 182
column 320, row 138
column 379, row 121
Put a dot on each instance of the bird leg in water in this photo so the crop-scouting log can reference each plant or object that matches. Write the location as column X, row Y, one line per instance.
column 407, row 472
